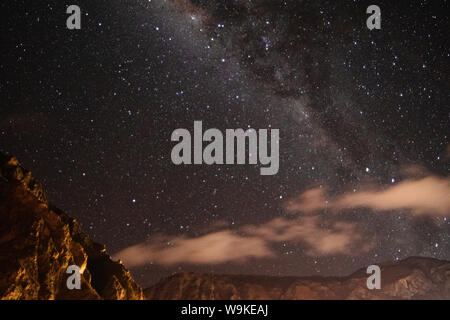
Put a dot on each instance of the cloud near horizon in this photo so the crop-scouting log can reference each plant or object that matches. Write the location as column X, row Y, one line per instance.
column 421, row 195
column 429, row 195
column 213, row 248
column 252, row 241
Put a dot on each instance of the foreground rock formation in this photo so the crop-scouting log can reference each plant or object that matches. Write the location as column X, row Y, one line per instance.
column 38, row 242
column 413, row 278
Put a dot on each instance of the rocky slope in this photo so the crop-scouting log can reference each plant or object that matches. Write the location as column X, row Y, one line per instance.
column 38, row 242
column 413, row 278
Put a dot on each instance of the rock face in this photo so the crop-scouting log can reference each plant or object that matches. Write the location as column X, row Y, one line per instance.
column 38, row 242
column 413, row 278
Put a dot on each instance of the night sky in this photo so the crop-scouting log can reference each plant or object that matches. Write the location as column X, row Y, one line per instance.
column 363, row 118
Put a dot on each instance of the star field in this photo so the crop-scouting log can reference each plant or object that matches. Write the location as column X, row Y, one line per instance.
column 90, row 112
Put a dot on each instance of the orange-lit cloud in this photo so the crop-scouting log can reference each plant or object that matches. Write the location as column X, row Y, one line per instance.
column 429, row 195
column 213, row 248
column 253, row 241
column 309, row 201
column 422, row 195
column 337, row 238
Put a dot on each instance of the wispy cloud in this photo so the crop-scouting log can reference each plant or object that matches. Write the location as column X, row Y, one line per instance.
column 429, row 195
column 337, row 238
column 424, row 194
column 213, row 248
column 251, row 241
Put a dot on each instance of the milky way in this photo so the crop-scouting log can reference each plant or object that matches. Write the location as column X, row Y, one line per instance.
column 363, row 119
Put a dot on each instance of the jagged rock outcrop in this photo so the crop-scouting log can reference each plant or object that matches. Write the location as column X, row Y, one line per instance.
column 413, row 278
column 38, row 242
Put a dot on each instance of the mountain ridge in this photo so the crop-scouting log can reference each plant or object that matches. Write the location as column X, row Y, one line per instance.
column 411, row 278
column 38, row 242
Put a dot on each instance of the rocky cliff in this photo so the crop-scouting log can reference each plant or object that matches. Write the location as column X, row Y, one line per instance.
column 413, row 278
column 38, row 242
